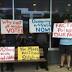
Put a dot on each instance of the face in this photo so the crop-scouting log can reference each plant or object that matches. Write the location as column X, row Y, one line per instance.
column 66, row 21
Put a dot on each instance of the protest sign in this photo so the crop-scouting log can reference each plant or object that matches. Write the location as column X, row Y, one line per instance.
column 7, row 54
column 39, row 25
column 11, row 26
column 62, row 30
column 28, row 53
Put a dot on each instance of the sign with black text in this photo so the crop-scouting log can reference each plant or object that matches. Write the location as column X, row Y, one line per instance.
column 28, row 53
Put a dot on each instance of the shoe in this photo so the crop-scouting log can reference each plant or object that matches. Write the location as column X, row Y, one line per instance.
column 46, row 69
column 69, row 68
column 60, row 66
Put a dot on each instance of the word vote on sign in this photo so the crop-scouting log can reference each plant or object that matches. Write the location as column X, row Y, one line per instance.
column 11, row 26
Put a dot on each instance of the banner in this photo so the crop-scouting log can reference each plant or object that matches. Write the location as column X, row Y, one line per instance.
column 28, row 53
column 62, row 30
column 7, row 54
column 39, row 25
column 11, row 26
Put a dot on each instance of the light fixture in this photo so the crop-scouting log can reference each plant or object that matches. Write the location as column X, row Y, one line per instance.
column 34, row 4
column 68, row 4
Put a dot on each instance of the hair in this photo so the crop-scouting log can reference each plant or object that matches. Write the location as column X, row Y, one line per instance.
column 66, row 17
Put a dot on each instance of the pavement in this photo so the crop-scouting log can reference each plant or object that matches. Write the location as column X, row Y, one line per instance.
column 32, row 68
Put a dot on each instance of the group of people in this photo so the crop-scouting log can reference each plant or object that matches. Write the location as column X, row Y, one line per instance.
column 64, row 48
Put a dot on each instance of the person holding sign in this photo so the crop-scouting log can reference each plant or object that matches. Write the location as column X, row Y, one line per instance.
column 65, row 49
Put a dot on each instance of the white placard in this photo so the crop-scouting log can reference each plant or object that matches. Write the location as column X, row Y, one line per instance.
column 62, row 30
column 39, row 25
column 7, row 53
column 11, row 26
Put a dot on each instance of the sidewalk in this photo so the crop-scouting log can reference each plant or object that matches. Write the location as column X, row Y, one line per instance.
column 52, row 68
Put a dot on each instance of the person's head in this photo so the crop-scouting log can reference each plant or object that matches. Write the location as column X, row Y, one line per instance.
column 66, row 20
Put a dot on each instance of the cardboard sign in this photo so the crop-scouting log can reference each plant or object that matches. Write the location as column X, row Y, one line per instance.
column 39, row 25
column 28, row 53
column 62, row 30
column 7, row 54
column 11, row 26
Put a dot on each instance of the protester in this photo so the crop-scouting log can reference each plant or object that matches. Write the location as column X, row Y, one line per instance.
column 65, row 49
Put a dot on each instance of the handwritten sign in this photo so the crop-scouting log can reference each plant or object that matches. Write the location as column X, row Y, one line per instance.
column 7, row 53
column 62, row 30
column 28, row 53
column 39, row 25
column 11, row 26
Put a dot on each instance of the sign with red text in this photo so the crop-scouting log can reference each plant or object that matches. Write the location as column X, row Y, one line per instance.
column 62, row 30
column 7, row 53
column 11, row 26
